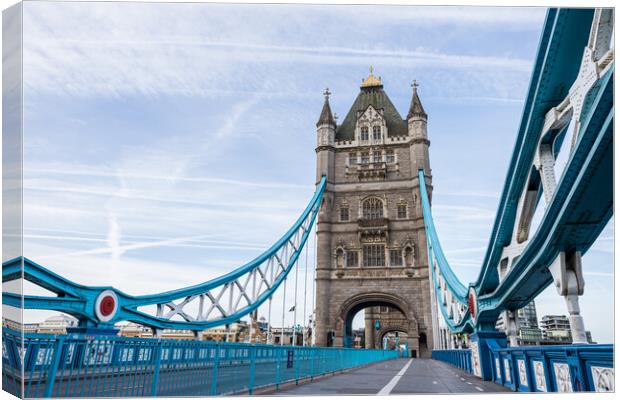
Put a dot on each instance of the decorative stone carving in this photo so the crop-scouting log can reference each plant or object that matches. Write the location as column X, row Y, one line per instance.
column 539, row 376
column 498, row 371
column 603, row 378
column 507, row 370
column 475, row 359
column 522, row 372
column 562, row 377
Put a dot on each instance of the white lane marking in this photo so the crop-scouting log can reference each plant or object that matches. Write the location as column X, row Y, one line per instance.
column 434, row 382
column 387, row 389
column 479, row 389
column 463, row 379
column 469, row 383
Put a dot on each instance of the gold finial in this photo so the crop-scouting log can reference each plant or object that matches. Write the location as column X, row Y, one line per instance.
column 415, row 85
column 326, row 93
column 371, row 80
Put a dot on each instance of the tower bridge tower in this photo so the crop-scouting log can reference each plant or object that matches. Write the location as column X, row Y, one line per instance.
column 371, row 241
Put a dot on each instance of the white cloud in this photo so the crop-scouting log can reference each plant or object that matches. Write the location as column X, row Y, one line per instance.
column 118, row 50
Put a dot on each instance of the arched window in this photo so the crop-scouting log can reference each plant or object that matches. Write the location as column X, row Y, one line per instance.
column 352, row 258
column 402, row 211
column 364, row 133
column 376, row 132
column 396, row 258
column 344, row 213
column 352, row 158
column 372, row 208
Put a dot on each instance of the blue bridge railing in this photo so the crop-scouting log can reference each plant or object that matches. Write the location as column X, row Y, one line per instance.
column 110, row 366
column 460, row 358
column 571, row 368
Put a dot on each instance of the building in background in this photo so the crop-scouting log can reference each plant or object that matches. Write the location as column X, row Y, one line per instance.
column 528, row 331
column 236, row 332
column 57, row 325
column 556, row 330
column 16, row 326
column 527, row 316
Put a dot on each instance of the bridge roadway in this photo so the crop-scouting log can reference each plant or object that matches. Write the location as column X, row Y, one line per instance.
column 398, row 376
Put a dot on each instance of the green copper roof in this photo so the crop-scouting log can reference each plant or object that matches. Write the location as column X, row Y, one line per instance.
column 376, row 97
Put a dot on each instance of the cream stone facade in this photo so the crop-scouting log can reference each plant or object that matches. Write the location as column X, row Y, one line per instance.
column 371, row 245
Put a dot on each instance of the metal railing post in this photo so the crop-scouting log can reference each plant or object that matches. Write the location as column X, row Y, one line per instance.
column 278, row 353
column 312, row 358
column 252, row 368
column 297, row 361
column 51, row 377
column 216, row 363
column 157, row 356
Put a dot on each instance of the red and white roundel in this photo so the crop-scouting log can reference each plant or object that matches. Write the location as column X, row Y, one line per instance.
column 106, row 305
column 472, row 303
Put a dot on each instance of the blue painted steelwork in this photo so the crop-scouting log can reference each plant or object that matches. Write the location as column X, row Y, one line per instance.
column 587, row 368
column 580, row 206
column 564, row 36
column 81, row 301
column 460, row 358
column 456, row 287
column 534, row 369
column 438, row 263
column 112, row 366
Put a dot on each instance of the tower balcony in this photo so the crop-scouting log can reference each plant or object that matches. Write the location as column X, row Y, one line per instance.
column 373, row 223
column 371, row 170
column 373, row 230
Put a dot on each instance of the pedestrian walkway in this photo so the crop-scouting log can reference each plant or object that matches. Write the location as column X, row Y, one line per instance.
column 399, row 376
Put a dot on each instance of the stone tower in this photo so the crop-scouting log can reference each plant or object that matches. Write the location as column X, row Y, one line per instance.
column 371, row 242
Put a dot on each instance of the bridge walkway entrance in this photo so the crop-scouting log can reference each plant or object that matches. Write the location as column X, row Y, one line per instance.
column 398, row 376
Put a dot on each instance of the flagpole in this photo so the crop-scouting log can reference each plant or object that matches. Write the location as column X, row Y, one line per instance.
column 283, row 314
column 303, row 332
column 313, row 282
column 295, row 305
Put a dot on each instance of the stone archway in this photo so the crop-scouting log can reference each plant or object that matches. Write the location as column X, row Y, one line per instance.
column 387, row 329
column 360, row 301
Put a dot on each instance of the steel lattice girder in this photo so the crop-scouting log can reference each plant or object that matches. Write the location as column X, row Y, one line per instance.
column 234, row 295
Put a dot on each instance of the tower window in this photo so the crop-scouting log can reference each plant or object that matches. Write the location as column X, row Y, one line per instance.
column 344, row 214
column 352, row 158
column 364, row 133
column 365, row 158
column 376, row 156
column 402, row 211
column 374, row 255
column 372, row 208
column 376, row 133
column 389, row 157
column 396, row 258
column 352, row 258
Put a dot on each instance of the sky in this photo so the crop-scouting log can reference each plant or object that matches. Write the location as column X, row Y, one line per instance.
column 166, row 144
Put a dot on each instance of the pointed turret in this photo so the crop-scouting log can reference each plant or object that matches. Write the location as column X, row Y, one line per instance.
column 416, row 109
column 325, row 135
column 326, row 117
column 416, row 122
